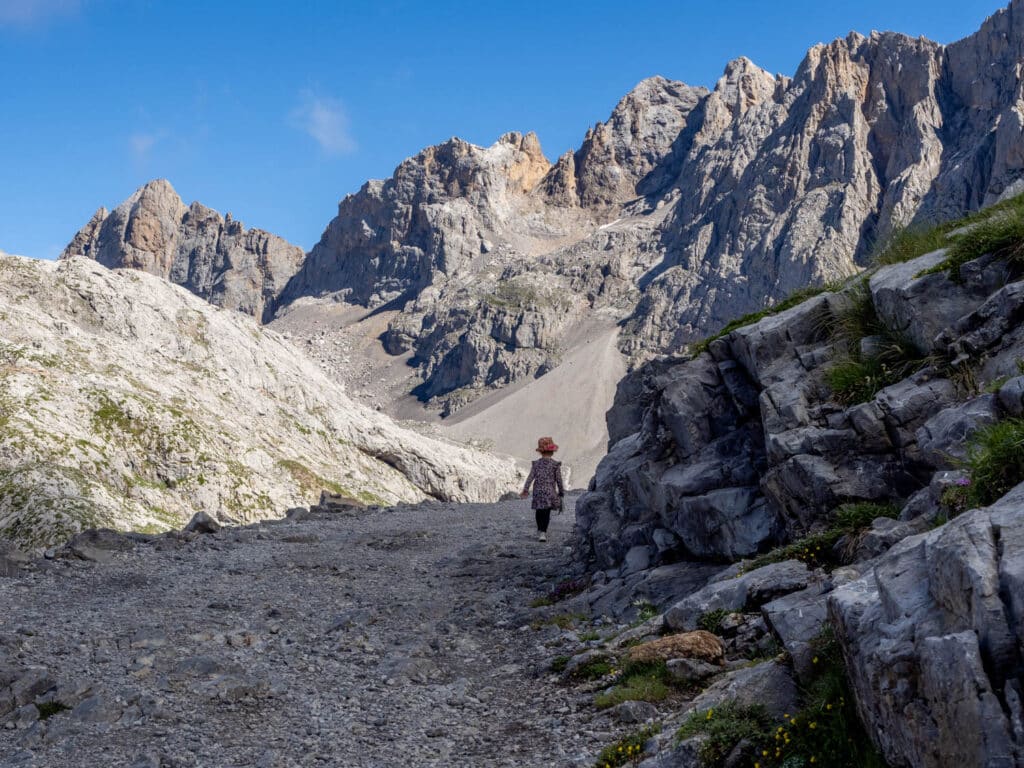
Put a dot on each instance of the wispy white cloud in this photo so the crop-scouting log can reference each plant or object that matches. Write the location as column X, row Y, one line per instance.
column 325, row 119
column 24, row 12
column 141, row 143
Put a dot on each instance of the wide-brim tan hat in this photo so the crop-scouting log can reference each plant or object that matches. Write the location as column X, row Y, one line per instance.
column 546, row 445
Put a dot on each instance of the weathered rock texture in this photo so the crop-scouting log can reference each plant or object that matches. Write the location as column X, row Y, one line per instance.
column 214, row 257
column 728, row 454
column 723, row 455
column 685, row 209
column 933, row 636
column 127, row 402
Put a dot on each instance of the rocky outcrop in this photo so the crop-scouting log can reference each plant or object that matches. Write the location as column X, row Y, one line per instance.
column 748, row 445
column 745, row 445
column 932, row 635
column 435, row 216
column 193, row 246
column 129, row 403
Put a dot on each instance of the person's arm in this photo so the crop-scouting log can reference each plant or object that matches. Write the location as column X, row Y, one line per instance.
column 558, row 479
column 529, row 479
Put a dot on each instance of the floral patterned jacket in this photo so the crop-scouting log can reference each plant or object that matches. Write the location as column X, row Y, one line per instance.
column 546, row 477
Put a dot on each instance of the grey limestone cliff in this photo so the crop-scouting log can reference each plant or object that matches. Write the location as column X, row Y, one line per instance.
column 215, row 257
column 686, row 208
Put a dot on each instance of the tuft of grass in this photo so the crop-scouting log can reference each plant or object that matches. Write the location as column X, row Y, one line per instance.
column 995, row 461
column 998, row 230
column 856, row 377
column 627, row 750
column 559, row 663
column 595, row 669
column 817, row 550
column 639, row 681
column 955, row 500
column 912, row 241
column 795, row 298
column 725, row 727
column 712, row 621
column 50, row 708
column 645, row 610
column 650, row 686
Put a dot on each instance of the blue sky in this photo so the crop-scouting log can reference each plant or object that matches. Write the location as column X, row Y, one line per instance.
column 275, row 111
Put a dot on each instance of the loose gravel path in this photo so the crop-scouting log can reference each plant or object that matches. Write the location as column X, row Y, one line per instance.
column 395, row 637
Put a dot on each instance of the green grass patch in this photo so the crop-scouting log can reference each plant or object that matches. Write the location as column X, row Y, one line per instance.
column 559, row 663
column 817, row 550
column 997, row 230
column 595, row 669
column 628, row 750
column 724, row 727
column 795, row 298
column 712, row 621
column 857, row 376
column 645, row 610
column 825, row 732
column 648, row 681
column 995, row 461
column 910, row 242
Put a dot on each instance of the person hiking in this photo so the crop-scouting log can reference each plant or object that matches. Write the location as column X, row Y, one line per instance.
column 546, row 477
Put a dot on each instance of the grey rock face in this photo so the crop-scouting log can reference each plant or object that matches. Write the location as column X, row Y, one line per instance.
column 684, row 210
column 750, row 590
column 745, row 444
column 132, row 404
column 214, row 257
column 931, row 636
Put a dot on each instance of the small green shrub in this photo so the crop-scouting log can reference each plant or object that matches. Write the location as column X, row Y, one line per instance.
column 712, row 620
column 595, row 669
column 725, row 727
column 825, row 732
column 627, row 750
column 559, row 663
column 995, row 460
column 818, row 549
column 645, row 610
column 955, row 500
column 50, row 708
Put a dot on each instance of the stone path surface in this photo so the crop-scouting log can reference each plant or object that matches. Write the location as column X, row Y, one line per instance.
column 400, row 636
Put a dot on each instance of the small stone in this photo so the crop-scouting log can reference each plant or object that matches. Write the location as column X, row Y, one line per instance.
column 202, row 523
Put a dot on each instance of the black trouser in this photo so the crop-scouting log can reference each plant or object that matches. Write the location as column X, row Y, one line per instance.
column 543, row 518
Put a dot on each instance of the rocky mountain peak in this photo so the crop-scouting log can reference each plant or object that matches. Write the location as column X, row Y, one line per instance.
column 744, row 85
column 214, row 257
column 617, row 157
